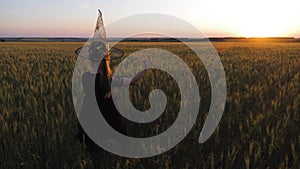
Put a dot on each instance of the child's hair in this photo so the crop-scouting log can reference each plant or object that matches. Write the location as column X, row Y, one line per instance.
column 105, row 73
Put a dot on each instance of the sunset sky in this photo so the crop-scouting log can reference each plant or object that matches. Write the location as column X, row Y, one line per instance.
column 215, row 18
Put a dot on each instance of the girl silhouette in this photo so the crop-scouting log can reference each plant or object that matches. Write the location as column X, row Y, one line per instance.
column 97, row 83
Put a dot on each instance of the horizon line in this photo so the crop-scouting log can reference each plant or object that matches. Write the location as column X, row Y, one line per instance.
column 179, row 37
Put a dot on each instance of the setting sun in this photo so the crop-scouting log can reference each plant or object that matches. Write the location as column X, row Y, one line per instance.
column 266, row 19
column 263, row 26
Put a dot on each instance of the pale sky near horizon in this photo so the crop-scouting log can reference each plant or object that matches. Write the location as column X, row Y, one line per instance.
column 215, row 18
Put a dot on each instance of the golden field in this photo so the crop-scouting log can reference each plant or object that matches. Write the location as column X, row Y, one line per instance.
column 259, row 128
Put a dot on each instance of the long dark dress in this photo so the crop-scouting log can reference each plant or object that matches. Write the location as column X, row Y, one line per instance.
column 106, row 106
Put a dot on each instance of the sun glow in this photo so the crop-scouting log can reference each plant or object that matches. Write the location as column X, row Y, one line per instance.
column 266, row 19
column 262, row 27
column 251, row 18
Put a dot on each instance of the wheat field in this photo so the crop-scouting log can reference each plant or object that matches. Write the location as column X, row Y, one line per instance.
column 259, row 128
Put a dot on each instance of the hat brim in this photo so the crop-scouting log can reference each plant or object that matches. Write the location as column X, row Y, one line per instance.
column 115, row 53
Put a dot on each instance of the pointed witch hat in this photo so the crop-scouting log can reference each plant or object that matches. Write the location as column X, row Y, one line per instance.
column 97, row 46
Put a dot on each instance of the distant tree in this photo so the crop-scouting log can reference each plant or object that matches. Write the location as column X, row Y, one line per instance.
column 2, row 40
